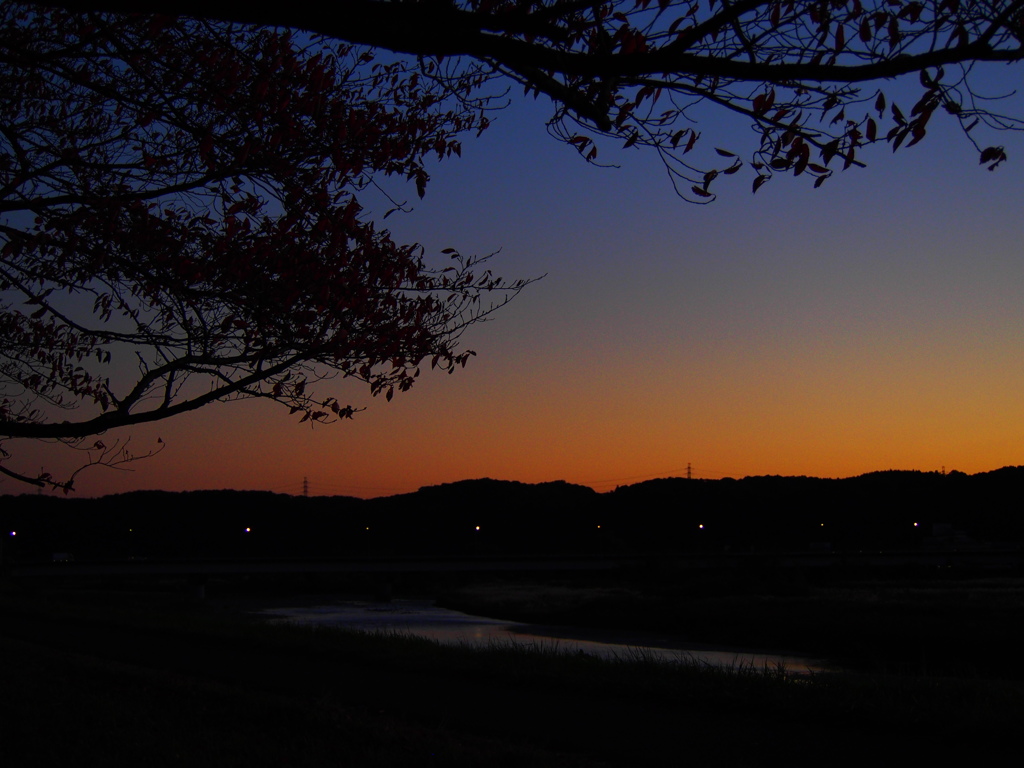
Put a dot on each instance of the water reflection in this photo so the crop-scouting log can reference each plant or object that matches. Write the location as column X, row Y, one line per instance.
column 423, row 619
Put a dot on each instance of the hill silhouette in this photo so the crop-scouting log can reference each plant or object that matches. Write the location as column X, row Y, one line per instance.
column 887, row 509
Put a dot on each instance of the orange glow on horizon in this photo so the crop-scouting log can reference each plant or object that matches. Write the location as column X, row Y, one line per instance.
column 873, row 324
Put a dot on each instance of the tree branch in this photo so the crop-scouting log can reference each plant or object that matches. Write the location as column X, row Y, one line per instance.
column 125, row 418
column 22, row 478
column 454, row 32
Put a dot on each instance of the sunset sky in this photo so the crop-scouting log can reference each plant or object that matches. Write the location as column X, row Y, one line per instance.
column 874, row 323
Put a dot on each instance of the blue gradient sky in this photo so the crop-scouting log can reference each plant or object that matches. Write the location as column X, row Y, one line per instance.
column 874, row 323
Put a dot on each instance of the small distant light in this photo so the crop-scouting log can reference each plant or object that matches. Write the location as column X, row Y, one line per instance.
column 14, row 533
column 822, row 525
column 478, row 527
column 915, row 525
column 599, row 526
column 367, row 527
column 248, row 530
column 701, row 526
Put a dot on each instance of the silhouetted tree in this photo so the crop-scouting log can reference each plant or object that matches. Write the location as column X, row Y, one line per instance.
column 181, row 223
column 803, row 73
column 183, row 191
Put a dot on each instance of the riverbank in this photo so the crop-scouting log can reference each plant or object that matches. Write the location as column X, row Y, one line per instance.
column 154, row 679
column 965, row 628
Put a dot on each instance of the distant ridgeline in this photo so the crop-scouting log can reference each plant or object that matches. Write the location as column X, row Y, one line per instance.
column 894, row 510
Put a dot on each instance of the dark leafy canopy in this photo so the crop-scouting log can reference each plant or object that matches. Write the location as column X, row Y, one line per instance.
column 180, row 222
column 803, row 73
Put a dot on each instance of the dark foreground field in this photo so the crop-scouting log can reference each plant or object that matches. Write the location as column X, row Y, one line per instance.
column 151, row 679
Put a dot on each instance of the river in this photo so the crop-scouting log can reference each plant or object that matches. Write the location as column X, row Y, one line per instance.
column 422, row 618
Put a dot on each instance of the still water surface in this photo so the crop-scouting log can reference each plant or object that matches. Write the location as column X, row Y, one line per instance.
column 423, row 619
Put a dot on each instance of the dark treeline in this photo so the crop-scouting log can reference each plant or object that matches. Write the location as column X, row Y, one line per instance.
column 489, row 517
